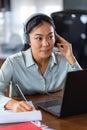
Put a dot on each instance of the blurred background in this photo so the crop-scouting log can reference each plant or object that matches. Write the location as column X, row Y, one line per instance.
column 71, row 24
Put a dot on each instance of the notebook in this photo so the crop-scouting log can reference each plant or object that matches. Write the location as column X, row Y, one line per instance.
column 74, row 99
column 7, row 116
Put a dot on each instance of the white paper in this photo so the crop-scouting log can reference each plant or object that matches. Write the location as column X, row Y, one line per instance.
column 12, row 117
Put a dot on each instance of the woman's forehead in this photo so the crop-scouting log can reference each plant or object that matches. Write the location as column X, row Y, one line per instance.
column 45, row 27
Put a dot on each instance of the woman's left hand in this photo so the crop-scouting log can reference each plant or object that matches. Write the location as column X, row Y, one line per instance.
column 65, row 49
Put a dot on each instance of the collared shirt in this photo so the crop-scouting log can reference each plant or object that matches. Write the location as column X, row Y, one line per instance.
column 21, row 69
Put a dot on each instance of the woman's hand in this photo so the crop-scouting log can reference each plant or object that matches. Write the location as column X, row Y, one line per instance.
column 65, row 49
column 19, row 106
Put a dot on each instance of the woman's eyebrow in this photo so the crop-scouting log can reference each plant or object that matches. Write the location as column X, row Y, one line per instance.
column 50, row 33
column 43, row 35
column 38, row 35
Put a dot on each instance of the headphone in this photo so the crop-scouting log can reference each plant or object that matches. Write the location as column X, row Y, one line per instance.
column 26, row 33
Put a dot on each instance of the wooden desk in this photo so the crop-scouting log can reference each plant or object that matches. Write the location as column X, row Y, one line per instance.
column 78, row 122
column 1, row 62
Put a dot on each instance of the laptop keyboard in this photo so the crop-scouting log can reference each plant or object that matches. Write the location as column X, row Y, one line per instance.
column 55, row 109
column 53, row 106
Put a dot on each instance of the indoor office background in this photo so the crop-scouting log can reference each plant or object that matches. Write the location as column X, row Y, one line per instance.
column 71, row 24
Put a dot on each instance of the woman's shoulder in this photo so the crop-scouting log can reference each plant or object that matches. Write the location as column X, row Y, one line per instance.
column 20, row 54
column 14, row 56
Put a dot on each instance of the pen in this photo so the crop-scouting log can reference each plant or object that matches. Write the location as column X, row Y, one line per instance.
column 28, row 102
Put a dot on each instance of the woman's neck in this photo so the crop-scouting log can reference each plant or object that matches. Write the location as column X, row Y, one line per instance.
column 42, row 65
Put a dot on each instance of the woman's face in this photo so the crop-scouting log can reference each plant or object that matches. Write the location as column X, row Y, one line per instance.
column 42, row 41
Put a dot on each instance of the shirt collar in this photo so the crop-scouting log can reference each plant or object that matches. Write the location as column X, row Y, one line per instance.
column 53, row 60
column 29, row 59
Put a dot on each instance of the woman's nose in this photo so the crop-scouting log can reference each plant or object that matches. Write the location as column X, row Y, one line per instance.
column 45, row 42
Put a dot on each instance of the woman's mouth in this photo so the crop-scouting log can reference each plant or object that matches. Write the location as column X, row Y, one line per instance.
column 45, row 51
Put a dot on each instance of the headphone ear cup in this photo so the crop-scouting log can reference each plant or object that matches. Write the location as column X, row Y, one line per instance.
column 26, row 38
column 56, row 40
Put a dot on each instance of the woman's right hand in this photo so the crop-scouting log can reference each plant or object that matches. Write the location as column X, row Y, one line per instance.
column 65, row 49
column 19, row 106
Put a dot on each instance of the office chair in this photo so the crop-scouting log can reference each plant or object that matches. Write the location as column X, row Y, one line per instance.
column 72, row 25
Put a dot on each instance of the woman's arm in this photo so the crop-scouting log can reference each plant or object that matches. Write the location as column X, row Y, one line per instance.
column 65, row 49
column 6, row 73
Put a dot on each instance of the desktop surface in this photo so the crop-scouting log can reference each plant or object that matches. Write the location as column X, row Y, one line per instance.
column 68, row 123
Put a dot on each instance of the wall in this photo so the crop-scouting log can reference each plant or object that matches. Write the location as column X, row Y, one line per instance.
column 21, row 9
column 13, row 21
column 75, row 4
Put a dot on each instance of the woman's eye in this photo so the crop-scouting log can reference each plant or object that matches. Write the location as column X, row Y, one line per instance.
column 38, row 38
column 50, row 37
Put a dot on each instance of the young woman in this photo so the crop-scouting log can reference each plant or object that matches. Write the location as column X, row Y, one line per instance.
column 38, row 69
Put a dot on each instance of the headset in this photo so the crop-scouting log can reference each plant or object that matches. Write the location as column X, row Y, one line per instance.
column 26, row 31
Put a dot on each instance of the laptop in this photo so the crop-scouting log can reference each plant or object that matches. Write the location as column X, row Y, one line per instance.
column 74, row 99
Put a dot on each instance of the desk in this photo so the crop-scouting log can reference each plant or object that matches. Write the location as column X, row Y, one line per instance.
column 1, row 62
column 77, row 122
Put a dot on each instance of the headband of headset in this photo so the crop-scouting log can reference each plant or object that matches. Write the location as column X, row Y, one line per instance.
column 32, row 17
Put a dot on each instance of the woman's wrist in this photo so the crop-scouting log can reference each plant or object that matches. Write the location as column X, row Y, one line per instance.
column 72, row 60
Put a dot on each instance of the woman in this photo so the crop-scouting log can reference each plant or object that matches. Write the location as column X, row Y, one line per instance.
column 38, row 69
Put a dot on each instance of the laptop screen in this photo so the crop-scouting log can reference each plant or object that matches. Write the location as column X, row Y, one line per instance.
column 74, row 96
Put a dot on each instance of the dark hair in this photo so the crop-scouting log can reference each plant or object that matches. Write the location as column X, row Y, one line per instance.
column 36, row 20
column 31, row 23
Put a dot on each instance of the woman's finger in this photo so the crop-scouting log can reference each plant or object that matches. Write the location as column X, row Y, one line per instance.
column 22, row 106
column 61, row 39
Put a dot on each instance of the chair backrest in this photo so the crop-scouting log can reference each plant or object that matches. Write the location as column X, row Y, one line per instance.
column 12, row 90
column 72, row 25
